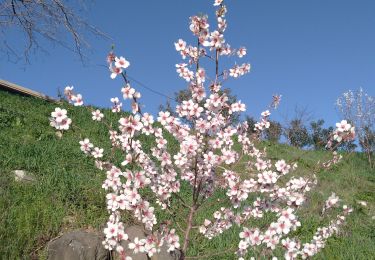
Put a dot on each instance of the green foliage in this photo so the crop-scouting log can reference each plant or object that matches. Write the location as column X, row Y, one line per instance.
column 273, row 133
column 319, row 134
column 68, row 194
column 297, row 134
column 251, row 123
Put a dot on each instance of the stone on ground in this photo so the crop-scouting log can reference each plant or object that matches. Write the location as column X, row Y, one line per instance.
column 77, row 245
column 22, row 176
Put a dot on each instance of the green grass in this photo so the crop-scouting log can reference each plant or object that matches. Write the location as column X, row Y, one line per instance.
column 68, row 194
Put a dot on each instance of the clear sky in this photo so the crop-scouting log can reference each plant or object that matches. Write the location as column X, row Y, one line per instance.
column 309, row 51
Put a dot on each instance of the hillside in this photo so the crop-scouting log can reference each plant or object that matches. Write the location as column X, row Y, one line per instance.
column 67, row 193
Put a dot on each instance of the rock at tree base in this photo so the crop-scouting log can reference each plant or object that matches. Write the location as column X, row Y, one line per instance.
column 77, row 245
column 81, row 245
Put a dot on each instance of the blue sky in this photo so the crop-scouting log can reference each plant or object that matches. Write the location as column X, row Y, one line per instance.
column 309, row 51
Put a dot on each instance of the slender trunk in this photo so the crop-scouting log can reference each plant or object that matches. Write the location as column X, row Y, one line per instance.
column 187, row 232
column 369, row 159
column 217, row 66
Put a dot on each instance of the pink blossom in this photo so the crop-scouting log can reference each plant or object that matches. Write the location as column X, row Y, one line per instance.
column 218, row 2
column 115, row 71
column 59, row 119
column 180, row 45
column 128, row 92
column 86, row 146
column 97, row 115
column 97, row 152
column 121, row 62
column 241, row 52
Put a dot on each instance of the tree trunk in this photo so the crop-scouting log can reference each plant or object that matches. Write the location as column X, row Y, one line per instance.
column 187, row 232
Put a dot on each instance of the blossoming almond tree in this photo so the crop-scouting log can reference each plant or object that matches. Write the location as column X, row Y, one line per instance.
column 204, row 163
column 359, row 108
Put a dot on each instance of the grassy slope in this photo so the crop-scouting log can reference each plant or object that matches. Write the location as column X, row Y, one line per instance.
column 68, row 192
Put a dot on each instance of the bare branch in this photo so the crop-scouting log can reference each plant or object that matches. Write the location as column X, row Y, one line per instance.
column 50, row 20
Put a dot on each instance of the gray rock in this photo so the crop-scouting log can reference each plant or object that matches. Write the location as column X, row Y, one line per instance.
column 77, row 245
column 22, row 176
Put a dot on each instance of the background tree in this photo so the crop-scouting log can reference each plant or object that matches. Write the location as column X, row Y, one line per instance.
column 273, row 133
column 319, row 134
column 55, row 21
column 368, row 142
column 295, row 129
column 251, row 123
column 359, row 108
column 297, row 134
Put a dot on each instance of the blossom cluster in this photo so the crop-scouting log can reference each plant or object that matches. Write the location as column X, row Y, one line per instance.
column 116, row 64
column 294, row 248
column 59, row 119
column 76, row 99
column 344, row 131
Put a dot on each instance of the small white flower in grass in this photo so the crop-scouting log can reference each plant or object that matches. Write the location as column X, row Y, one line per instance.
column 217, row 215
column 97, row 152
column 121, row 62
column 128, row 159
column 256, row 237
column 287, row 215
column 245, row 234
column 283, row 227
column 59, row 113
column 63, row 125
column 331, row 201
column 97, row 115
column 86, row 145
column 59, row 119
column 243, row 245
